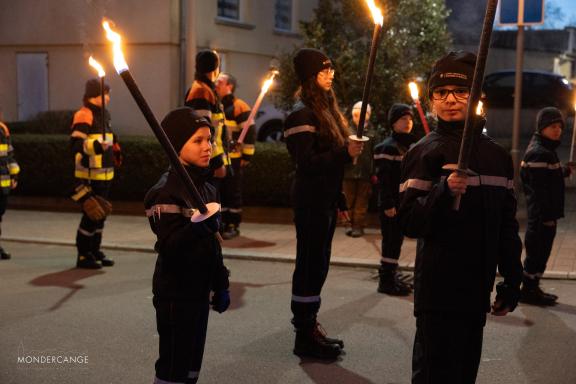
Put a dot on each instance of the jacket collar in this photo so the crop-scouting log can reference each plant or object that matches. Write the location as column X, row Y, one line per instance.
column 545, row 142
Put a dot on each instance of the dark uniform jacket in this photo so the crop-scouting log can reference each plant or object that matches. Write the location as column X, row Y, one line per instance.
column 543, row 179
column 202, row 98
column 319, row 163
column 189, row 262
column 236, row 112
column 9, row 168
column 388, row 156
column 92, row 161
column 458, row 251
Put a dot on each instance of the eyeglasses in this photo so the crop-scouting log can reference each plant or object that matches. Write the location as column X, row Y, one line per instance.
column 459, row 94
column 327, row 71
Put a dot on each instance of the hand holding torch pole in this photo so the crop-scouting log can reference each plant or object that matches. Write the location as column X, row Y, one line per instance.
column 101, row 74
column 206, row 210
column 414, row 93
column 475, row 92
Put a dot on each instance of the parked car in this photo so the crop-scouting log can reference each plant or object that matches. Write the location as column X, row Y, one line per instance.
column 539, row 90
column 269, row 123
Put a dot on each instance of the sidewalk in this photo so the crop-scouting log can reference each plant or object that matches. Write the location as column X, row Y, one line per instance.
column 258, row 240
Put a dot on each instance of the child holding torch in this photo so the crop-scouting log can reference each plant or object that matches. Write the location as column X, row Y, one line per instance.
column 458, row 250
column 316, row 135
column 9, row 170
column 189, row 265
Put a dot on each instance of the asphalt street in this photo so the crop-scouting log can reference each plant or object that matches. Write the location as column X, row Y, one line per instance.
column 98, row 327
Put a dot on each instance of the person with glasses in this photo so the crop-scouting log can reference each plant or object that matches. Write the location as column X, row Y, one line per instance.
column 316, row 135
column 458, row 250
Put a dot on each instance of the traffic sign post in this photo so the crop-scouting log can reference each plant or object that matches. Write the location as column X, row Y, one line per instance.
column 521, row 12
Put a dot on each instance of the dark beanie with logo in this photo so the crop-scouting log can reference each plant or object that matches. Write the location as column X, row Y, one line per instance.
column 397, row 111
column 207, row 61
column 456, row 68
column 547, row 117
column 181, row 123
column 308, row 62
column 93, row 88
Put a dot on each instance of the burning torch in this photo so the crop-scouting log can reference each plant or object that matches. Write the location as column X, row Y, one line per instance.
column 475, row 92
column 101, row 74
column 378, row 22
column 256, row 106
column 414, row 93
column 571, row 160
column 205, row 210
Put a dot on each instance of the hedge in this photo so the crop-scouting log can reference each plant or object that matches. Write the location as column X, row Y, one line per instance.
column 47, row 169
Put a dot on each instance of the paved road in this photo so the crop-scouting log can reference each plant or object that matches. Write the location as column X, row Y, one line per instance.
column 106, row 318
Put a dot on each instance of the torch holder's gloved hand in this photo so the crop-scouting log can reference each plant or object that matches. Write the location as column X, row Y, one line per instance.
column 508, row 295
column 207, row 227
column 220, row 300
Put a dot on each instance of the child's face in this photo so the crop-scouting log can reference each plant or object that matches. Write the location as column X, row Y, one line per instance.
column 198, row 149
column 450, row 102
column 552, row 132
column 324, row 78
column 404, row 124
column 97, row 101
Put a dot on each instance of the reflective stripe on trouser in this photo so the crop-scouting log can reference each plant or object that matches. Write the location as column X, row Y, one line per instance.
column 314, row 233
column 89, row 233
column 392, row 240
column 231, row 194
column 181, row 325
column 538, row 243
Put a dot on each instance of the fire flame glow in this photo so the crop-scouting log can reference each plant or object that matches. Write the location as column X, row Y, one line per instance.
column 413, row 90
column 480, row 108
column 119, row 62
column 96, row 65
column 376, row 12
column 268, row 82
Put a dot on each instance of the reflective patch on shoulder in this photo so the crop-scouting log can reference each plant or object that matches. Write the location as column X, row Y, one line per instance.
column 299, row 129
column 419, row 184
column 388, row 157
column 83, row 116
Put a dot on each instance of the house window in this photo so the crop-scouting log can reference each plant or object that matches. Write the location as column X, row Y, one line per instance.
column 229, row 9
column 283, row 15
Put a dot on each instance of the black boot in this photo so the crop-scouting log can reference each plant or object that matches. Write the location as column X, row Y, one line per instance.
column 101, row 257
column 87, row 261
column 311, row 344
column 4, row 255
column 324, row 336
column 393, row 283
column 531, row 293
column 231, row 232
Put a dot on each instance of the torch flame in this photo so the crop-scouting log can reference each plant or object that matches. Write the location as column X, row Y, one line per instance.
column 268, row 82
column 480, row 108
column 376, row 12
column 413, row 90
column 119, row 62
column 96, row 65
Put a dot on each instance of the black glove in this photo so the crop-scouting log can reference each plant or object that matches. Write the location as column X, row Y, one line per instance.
column 207, row 227
column 220, row 300
column 508, row 295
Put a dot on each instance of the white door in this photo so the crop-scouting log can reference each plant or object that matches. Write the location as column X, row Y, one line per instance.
column 32, row 84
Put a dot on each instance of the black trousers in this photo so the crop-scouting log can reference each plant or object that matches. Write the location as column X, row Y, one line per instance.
column 392, row 239
column 314, row 233
column 89, row 233
column 447, row 348
column 181, row 325
column 538, row 242
column 231, row 193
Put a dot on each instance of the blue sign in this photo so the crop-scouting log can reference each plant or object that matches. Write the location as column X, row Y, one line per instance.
column 533, row 12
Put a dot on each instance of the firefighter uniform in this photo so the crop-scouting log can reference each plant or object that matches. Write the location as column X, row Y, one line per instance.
column 236, row 112
column 543, row 180
column 94, row 166
column 9, row 170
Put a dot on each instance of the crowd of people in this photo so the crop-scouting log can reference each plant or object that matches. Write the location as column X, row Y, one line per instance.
column 459, row 249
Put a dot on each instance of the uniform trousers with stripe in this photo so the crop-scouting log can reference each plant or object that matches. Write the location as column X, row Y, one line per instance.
column 231, row 193
column 538, row 242
column 392, row 239
column 89, row 234
column 314, row 232
column 181, row 326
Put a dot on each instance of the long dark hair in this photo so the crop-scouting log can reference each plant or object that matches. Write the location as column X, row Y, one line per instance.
column 333, row 125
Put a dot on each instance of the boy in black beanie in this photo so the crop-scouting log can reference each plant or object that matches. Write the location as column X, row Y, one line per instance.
column 458, row 250
column 543, row 180
column 387, row 158
column 189, row 265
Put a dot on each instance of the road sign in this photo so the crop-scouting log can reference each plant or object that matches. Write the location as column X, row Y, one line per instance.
column 521, row 12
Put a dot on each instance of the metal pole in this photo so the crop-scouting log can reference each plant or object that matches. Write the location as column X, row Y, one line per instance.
column 368, row 82
column 103, row 108
column 515, row 151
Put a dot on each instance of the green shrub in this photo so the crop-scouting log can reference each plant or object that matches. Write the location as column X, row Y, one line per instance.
column 48, row 122
column 48, row 169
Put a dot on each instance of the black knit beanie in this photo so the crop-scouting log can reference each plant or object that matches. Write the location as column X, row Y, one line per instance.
column 181, row 123
column 456, row 68
column 308, row 62
column 397, row 111
column 207, row 61
column 548, row 116
column 92, row 88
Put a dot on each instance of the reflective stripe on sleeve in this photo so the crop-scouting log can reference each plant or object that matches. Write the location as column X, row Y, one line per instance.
column 387, row 260
column 388, row 157
column 158, row 209
column 299, row 129
column 530, row 164
column 422, row 185
column 305, row 299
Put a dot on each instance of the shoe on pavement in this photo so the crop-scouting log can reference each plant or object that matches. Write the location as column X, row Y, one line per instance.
column 4, row 255
column 394, row 284
column 321, row 333
column 536, row 296
column 310, row 344
column 103, row 259
column 230, row 233
column 87, row 261
column 356, row 232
